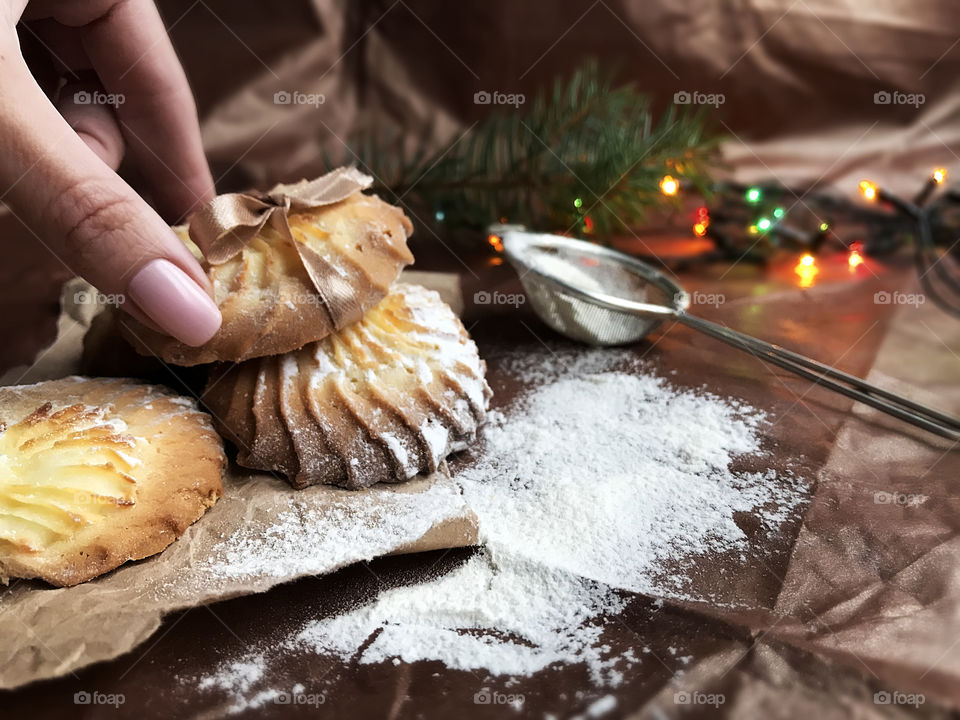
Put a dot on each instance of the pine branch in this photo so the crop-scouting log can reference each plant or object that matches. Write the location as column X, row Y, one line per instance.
column 583, row 138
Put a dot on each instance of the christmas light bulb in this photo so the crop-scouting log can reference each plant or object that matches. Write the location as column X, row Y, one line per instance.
column 578, row 203
column 778, row 213
column 855, row 258
column 868, row 190
column 669, row 185
column 824, row 227
column 939, row 175
column 807, row 270
column 763, row 224
column 753, row 195
column 700, row 229
column 495, row 242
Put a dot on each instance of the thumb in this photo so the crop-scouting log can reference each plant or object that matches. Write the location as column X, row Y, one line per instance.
column 89, row 218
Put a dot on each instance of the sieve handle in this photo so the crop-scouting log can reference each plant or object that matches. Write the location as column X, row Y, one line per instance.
column 829, row 377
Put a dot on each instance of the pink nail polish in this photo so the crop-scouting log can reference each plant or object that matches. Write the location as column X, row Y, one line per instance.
column 175, row 302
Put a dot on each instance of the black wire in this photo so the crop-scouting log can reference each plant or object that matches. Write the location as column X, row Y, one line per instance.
column 925, row 248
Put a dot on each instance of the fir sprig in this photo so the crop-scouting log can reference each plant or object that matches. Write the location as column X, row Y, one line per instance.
column 586, row 155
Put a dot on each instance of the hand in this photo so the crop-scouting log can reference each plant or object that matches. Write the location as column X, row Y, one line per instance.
column 57, row 164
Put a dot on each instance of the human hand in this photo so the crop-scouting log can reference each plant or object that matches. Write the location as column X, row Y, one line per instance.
column 57, row 166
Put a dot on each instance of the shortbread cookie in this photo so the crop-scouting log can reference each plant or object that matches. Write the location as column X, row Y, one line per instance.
column 380, row 401
column 276, row 297
column 96, row 472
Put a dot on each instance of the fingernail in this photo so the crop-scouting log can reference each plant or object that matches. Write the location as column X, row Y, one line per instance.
column 175, row 302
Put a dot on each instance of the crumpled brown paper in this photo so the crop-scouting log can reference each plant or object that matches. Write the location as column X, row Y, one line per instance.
column 46, row 632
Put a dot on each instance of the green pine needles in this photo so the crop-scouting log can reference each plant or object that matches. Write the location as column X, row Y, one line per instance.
column 584, row 157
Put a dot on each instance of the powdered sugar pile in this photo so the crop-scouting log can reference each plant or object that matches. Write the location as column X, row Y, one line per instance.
column 611, row 476
column 602, row 479
column 508, row 615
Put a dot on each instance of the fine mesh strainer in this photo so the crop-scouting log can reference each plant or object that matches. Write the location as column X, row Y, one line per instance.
column 603, row 297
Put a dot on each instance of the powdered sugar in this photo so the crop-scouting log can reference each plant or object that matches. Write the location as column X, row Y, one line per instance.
column 310, row 538
column 602, row 481
column 522, row 617
column 612, row 475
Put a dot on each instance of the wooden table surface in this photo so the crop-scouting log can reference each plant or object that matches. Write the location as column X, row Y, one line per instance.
column 836, row 319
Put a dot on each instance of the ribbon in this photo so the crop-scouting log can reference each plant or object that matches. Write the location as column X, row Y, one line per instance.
column 227, row 223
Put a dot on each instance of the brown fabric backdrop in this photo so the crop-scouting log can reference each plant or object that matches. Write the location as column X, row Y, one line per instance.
column 798, row 76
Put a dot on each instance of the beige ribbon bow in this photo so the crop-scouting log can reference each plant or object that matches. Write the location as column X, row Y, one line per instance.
column 227, row 223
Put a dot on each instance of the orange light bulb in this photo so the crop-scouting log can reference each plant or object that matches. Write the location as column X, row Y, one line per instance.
column 806, row 270
column 669, row 185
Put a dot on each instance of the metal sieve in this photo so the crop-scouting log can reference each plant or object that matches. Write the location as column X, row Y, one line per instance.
column 600, row 296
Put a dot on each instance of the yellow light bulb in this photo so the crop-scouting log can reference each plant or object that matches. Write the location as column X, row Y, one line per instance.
column 868, row 189
column 806, row 270
column 854, row 259
column 939, row 175
column 669, row 185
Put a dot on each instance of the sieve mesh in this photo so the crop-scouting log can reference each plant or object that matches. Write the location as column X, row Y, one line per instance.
column 564, row 279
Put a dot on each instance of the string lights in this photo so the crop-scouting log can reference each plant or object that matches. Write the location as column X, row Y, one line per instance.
column 939, row 281
column 750, row 222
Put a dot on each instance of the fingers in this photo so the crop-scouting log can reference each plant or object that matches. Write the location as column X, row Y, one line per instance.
column 94, row 122
column 88, row 216
column 127, row 44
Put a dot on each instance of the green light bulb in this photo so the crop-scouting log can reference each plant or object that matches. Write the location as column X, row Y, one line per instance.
column 754, row 195
column 778, row 213
column 764, row 224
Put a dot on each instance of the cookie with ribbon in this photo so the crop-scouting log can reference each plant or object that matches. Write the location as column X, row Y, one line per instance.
column 289, row 266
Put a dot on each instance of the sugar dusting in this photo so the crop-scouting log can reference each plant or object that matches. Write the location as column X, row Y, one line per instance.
column 600, row 482
column 308, row 539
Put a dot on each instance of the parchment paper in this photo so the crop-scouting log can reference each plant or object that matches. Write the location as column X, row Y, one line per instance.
column 46, row 632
